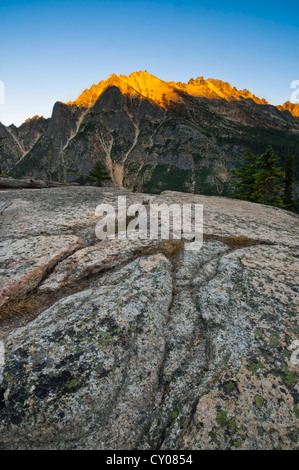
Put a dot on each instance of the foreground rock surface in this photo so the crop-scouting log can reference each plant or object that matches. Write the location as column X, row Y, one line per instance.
column 8, row 182
column 156, row 348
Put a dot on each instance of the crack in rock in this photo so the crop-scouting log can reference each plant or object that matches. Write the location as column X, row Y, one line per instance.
column 149, row 354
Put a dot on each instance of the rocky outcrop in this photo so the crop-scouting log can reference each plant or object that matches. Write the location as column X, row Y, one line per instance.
column 30, row 131
column 8, row 182
column 144, row 344
column 48, row 152
column 151, row 87
column 292, row 108
column 154, row 135
column 19, row 140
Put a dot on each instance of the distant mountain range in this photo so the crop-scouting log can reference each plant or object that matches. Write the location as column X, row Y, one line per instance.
column 153, row 135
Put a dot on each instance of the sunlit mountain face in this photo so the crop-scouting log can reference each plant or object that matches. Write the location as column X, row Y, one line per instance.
column 153, row 135
column 293, row 108
column 161, row 92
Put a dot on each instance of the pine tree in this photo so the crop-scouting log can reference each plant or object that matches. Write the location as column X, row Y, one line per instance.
column 98, row 174
column 267, row 188
column 289, row 201
column 245, row 177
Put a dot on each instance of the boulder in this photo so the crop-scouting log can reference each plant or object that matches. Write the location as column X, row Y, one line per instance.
column 148, row 345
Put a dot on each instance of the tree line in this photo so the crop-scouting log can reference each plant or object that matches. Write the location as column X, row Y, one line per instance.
column 262, row 180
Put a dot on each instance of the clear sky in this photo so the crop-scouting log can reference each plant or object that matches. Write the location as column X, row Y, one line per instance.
column 53, row 50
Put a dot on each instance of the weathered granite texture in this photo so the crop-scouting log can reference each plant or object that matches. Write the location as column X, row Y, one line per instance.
column 138, row 344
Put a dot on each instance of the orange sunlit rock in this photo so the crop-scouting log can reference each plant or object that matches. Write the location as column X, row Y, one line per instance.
column 292, row 107
column 148, row 86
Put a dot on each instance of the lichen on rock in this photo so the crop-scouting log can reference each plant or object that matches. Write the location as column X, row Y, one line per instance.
column 138, row 347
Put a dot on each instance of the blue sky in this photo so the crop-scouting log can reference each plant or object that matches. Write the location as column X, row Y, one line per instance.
column 53, row 50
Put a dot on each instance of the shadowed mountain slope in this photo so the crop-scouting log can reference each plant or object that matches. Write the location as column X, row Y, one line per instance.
column 154, row 135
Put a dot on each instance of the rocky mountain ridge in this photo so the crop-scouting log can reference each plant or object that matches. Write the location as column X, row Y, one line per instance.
column 154, row 135
column 293, row 108
column 19, row 140
column 160, row 91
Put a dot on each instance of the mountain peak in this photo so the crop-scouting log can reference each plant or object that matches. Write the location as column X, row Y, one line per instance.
column 34, row 118
column 137, row 83
column 148, row 86
column 293, row 108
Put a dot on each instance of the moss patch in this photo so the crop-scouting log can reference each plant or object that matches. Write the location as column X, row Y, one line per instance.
column 221, row 418
column 259, row 401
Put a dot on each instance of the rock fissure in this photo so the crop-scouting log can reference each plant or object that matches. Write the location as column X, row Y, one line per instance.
column 160, row 347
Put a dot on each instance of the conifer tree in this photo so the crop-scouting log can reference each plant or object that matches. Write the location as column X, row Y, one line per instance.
column 245, row 177
column 98, row 174
column 267, row 188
